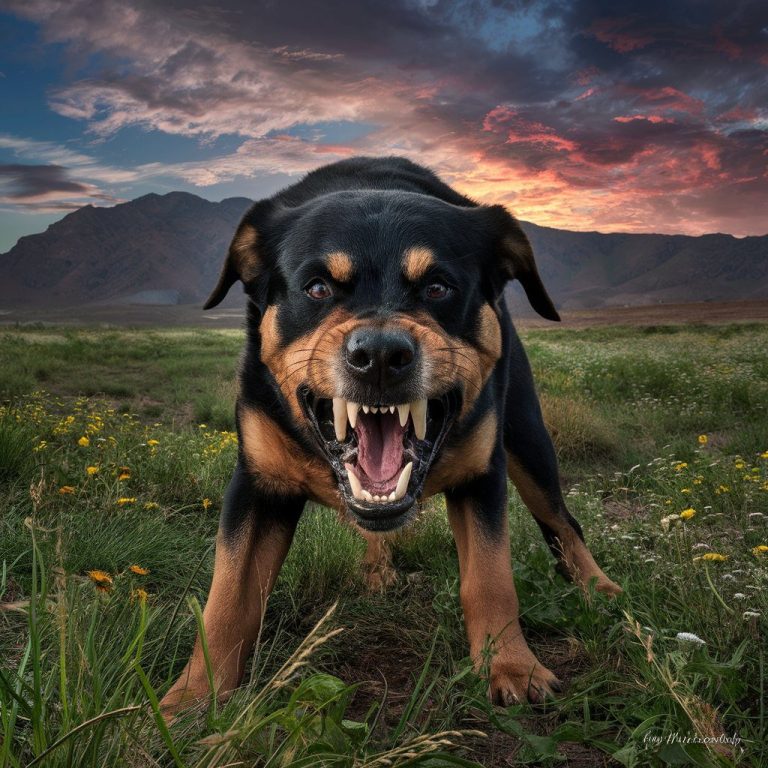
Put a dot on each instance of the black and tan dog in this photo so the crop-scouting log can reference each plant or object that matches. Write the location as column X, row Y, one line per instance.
column 381, row 368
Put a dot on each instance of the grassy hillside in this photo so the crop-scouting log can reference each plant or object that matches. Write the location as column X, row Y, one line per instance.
column 115, row 448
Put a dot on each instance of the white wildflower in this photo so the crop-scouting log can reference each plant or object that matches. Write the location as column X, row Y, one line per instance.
column 689, row 637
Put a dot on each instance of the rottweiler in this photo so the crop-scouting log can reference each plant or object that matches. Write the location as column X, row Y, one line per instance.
column 381, row 367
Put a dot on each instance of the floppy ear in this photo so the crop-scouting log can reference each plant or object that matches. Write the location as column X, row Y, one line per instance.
column 244, row 262
column 515, row 258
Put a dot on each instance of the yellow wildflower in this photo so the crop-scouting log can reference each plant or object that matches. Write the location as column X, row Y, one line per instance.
column 84, row 441
column 41, row 446
column 698, row 480
column 100, row 578
column 126, row 500
column 703, row 439
column 685, row 490
column 151, row 505
column 125, row 474
column 680, row 466
column 138, row 570
column 714, row 557
column 66, row 489
column 153, row 443
column 740, row 464
column 206, row 504
column 687, row 514
column 760, row 549
column 92, row 470
column 140, row 595
column 764, row 455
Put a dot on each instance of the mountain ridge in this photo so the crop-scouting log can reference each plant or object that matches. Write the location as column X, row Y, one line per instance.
column 168, row 249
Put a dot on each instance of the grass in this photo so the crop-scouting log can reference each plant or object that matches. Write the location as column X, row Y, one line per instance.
column 648, row 423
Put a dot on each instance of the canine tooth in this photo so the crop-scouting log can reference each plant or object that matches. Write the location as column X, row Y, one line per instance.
column 354, row 483
column 419, row 416
column 392, row 497
column 367, row 496
column 340, row 418
column 352, row 409
column 366, row 408
column 402, row 481
column 403, row 411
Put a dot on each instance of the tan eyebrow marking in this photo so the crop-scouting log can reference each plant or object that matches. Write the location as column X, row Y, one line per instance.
column 417, row 261
column 340, row 266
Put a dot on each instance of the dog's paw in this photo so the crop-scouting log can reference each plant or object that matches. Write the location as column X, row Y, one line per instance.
column 607, row 587
column 379, row 577
column 516, row 682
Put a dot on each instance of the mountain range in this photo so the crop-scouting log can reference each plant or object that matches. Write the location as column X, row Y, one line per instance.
column 167, row 249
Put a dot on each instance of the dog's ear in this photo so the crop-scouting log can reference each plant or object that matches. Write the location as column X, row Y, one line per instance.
column 514, row 258
column 245, row 260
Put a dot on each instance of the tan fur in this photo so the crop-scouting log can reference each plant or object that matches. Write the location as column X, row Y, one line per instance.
column 244, row 573
column 340, row 266
column 576, row 557
column 491, row 609
column 416, row 262
column 468, row 459
column 280, row 463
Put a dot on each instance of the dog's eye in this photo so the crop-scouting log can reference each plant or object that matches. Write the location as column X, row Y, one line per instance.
column 437, row 291
column 318, row 289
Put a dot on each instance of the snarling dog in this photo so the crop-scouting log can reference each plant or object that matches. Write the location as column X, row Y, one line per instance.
column 381, row 368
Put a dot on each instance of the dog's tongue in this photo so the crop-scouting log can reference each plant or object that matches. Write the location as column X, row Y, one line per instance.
column 379, row 445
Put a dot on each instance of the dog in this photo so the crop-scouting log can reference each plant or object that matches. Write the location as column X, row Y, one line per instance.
column 381, row 367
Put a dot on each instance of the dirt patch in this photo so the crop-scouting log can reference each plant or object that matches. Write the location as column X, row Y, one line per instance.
column 620, row 511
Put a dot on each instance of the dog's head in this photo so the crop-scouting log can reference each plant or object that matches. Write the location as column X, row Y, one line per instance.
column 379, row 321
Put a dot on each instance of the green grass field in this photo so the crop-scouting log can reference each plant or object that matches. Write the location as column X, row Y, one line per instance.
column 116, row 446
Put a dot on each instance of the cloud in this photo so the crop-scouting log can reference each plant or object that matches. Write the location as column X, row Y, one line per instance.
column 639, row 120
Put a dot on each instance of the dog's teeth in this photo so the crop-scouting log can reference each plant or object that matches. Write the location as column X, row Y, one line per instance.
column 366, row 495
column 419, row 416
column 403, row 411
column 402, row 481
column 374, row 409
column 392, row 496
column 391, row 408
column 354, row 483
column 352, row 409
column 340, row 418
column 376, row 498
column 366, row 408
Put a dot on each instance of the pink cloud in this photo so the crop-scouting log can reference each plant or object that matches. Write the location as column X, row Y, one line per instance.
column 617, row 33
column 646, row 118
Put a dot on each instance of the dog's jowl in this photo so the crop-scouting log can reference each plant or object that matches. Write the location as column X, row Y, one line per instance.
column 382, row 368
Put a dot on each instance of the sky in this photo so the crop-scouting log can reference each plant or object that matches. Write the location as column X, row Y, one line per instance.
column 613, row 116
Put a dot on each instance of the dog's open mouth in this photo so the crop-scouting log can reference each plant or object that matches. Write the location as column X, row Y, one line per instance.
column 381, row 452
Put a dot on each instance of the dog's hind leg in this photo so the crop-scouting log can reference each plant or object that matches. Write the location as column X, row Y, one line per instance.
column 532, row 467
column 255, row 532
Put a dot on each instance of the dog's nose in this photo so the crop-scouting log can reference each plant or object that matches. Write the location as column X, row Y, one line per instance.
column 381, row 356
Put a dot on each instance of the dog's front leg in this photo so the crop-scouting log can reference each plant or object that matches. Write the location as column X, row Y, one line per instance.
column 477, row 512
column 255, row 532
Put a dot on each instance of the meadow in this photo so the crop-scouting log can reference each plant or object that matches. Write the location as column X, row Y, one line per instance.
column 115, row 449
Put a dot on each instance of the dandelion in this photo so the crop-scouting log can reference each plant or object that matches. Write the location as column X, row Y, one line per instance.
column 764, row 455
column 760, row 549
column 126, row 500
column 101, row 579
column 125, row 473
column 685, row 490
column 92, row 471
column 714, row 557
column 153, row 443
column 65, row 489
column 703, row 439
column 151, row 505
column 689, row 637
column 680, row 466
column 41, row 446
column 207, row 504
column 84, row 441
column 740, row 464
column 138, row 570
column 140, row 595
column 687, row 514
